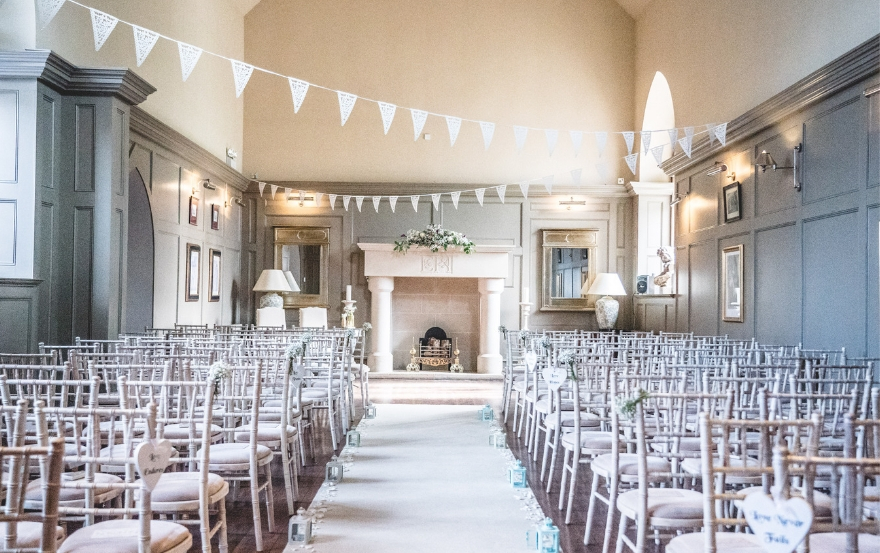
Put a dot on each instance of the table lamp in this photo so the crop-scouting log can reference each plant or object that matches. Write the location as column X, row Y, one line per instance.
column 607, row 308
column 272, row 281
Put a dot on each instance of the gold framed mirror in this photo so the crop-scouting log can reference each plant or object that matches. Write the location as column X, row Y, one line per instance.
column 569, row 263
column 304, row 252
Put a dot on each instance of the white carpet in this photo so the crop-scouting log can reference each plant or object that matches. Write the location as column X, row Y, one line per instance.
column 425, row 479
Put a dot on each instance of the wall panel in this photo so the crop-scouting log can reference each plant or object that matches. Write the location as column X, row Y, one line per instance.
column 84, row 170
column 703, row 286
column 166, row 291
column 17, row 316
column 83, row 248
column 834, row 143
column 777, row 289
column 872, row 290
column 9, row 136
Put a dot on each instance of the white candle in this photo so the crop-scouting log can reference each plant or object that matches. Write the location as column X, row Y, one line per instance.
column 525, row 294
column 348, row 292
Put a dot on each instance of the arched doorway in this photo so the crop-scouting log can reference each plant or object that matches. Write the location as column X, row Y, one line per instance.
column 139, row 275
column 659, row 116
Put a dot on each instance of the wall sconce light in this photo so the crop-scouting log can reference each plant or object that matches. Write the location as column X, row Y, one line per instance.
column 571, row 202
column 207, row 184
column 677, row 198
column 301, row 200
column 717, row 167
column 765, row 160
column 238, row 201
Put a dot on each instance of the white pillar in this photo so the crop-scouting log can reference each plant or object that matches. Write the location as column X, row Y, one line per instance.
column 490, row 360
column 381, row 360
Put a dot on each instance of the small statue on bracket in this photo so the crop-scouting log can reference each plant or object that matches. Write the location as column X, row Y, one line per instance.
column 665, row 275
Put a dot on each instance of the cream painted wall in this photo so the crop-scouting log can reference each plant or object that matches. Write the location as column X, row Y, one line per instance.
column 566, row 64
column 204, row 108
column 724, row 57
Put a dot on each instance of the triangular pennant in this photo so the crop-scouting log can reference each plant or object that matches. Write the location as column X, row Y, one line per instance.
column 455, row 196
column 359, row 200
column 576, row 176
column 673, row 138
column 241, row 72
column 524, row 188
column 302, row 196
column 102, row 25
column 601, row 141
column 376, row 200
column 501, row 189
column 520, row 134
column 548, row 183
column 273, row 188
column 346, row 104
column 646, row 141
column 721, row 133
column 552, row 138
column 261, row 186
column 685, row 143
column 144, row 40
column 435, row 199
column 480, row 192
column 287, row 193
column 577, row 138
column 332, row 198
column 488, row 132
column 454, row 125
column 631, row 162
column 629, row 136
column 392, row 200
column 689, row 131
column 189, row 55
column 46, row 10
column 657, row 152
column 345, row 202
column 710, row 130
column 318, row 197
column 387, row 111
column 602, row 169
column 415, row 202
column 419, row 117
column 298, row 90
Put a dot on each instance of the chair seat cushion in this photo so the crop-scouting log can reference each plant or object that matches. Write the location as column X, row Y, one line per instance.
column 628, row 464
column 694, row 466
column 836, row 541
column 666, row 503
column 317, row 393
column 180, row 431
column 588, row 420
column 29, row 534
column 180, row 490
column 684, row 444
column 236, row 457
column 66, row 496
column 872, row 506
column 266, row 432
column 591, row 440
column 121, row 536
column 726, row 542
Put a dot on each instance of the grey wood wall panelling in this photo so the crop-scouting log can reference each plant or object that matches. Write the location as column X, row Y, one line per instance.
column 49, row 260
column 683, row 289
column 872, row 260
column 141, row 248
column 778, row 284
column 834, row 145
column 703, row 286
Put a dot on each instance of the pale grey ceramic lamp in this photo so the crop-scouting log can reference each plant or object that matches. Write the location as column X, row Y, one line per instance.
column 607, row 308
column 272, row 281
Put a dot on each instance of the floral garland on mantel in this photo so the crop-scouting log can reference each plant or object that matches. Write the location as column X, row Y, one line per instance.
column 435, row 238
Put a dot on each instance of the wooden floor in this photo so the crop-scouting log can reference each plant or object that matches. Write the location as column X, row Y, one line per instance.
column 447, row 392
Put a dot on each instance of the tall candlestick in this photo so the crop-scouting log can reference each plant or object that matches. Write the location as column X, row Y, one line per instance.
column 525, row 294
column 348, row 292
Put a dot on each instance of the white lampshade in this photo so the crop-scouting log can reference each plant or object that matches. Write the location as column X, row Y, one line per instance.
column 606, row 284
column 272, row 280
column 294, row 287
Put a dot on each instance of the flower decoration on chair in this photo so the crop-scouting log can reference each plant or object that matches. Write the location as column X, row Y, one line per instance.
column 545, row 343
column 435, row 238
column 524, row 337
column 349, row 334
column 567, row 357
column 367, row 327
column 503, row 330
column 219, row 371
column 348, row 315
column 627, row 406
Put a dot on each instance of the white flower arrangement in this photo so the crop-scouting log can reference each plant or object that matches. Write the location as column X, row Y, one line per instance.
column 435, row 238
column 218, row 372
column 349, row 310
column 545, row 342
column 294, row 350
column 627, row 406
column 567, row 357
column 367, row 327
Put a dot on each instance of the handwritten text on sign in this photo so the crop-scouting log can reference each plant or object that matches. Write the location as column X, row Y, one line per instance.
column 780, row 526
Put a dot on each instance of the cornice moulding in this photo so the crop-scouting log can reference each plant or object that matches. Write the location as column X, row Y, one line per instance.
column 384, row 189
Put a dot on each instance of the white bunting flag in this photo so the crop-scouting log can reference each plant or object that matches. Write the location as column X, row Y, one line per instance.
column 241, row 72
column 631, row 162
column 387, row 111
column 454, row 125
column 710, row 130
column 577, row 138
column 376, row 200
column 359, row 200
column 298, row 90
column 189, row 55
column 657, row 152
column 552, row 138
column 673, row 138
column 601, row 142
column 102, row 25
column 346, row 104
column 144, row 40
column 520, row 134
column 46, row 10
column 646, row 142
column 332, row 198
column 415, row 202
column 685, row 143
column 273, row 188
column 721, row 133
column 689, row 131
column 602, row 169
column 524, row 188
column 261, row 186
column 345, row 202
column 576, row 176
column 435, row 199
column 419, row 117
column 488, row 132
column 629, row 136
column 302, row 196
column 392, row 201
column 455, row 197
column 501, row 189
column 480, row 192
column 548, row 183
column 318, row 197
column 287, row 193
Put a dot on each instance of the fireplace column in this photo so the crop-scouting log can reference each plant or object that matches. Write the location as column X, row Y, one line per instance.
column 490, row 360
column 382, row 360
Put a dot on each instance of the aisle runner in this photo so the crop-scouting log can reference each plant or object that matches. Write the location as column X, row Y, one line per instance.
column 424, row 479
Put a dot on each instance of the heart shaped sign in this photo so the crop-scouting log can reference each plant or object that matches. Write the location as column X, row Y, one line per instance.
column 531, row 359
column 152, row 458
column 554, row 377
column 779, row 526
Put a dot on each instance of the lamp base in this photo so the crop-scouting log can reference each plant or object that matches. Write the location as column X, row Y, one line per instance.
column 607, row 309
column 272, row 299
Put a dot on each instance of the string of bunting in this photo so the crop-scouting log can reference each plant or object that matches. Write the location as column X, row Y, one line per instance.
column 103, row 25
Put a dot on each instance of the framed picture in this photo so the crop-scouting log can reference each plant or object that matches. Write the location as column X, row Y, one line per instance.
column 214, row 278
column 193, row 271
column 732, row 203
column 732, row 284
column 193, row 210
column 215, row 217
